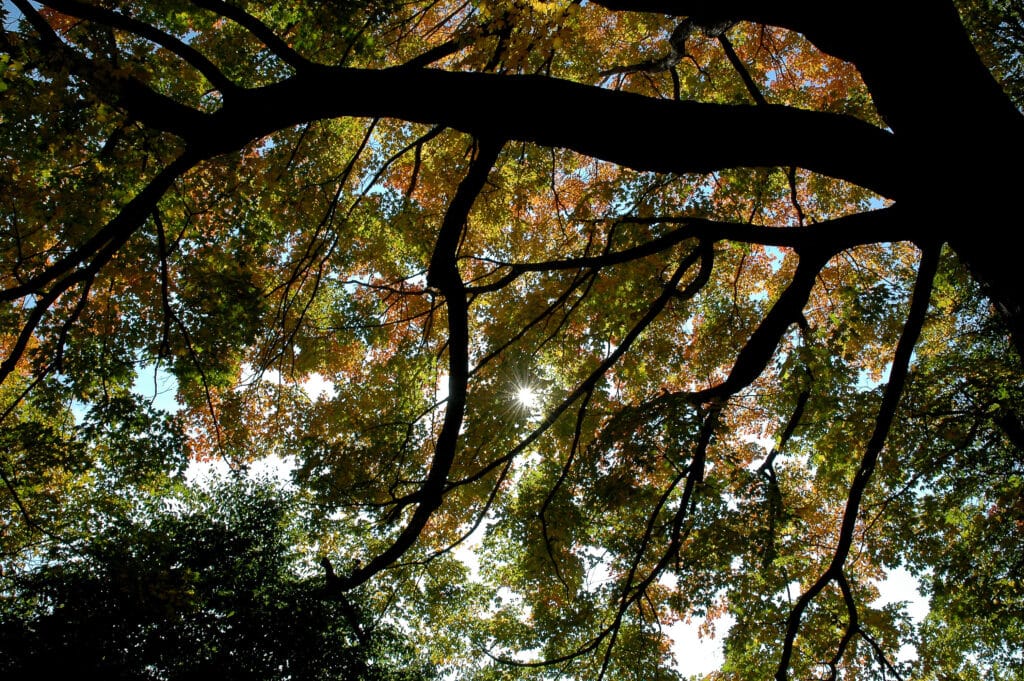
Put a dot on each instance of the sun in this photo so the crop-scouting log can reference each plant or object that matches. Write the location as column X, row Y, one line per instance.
column 527, row 397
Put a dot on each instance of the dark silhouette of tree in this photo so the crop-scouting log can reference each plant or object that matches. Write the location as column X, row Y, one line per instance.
column 209, row 588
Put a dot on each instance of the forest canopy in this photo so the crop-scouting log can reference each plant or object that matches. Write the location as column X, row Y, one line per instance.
column 566, row 322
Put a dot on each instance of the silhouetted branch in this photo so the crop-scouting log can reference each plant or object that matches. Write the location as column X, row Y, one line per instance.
column 886, row 413
column 260, row 30
column 443, row 274
column 186, row 52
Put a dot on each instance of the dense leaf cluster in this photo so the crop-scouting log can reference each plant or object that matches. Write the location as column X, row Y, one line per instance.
column 203, row 582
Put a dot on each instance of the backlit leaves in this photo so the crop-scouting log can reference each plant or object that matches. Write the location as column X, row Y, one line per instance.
column 359, row 281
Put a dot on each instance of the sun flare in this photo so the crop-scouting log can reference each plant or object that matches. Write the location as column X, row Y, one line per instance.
column 527, row 397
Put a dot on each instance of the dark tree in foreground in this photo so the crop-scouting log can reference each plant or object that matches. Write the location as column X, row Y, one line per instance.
column 671, row 310
column 209, row 586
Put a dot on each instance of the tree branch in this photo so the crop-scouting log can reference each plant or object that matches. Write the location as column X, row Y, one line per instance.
column 759, row 348
column 886, row 48
column 878, row 226
column 260, row 30
column 442, row 274
column 129, row 94
column 702, row 253
column 114, row 234
column 128, row 24
column 647, row 132
column 886, row 413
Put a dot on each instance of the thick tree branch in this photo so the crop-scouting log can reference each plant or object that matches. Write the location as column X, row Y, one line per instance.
column 852, row 624
column 443, row 274
column 885, row 46
column 631, row 130
column 130, row 94
column 741, row 69
column 1011, row 427
column 939, row 136
column 761, row 345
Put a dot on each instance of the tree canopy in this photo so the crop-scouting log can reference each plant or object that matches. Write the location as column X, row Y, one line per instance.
column 673, row 311
column 210, row 585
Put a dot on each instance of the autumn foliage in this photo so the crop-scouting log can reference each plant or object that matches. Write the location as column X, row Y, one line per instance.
column 751, row 259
